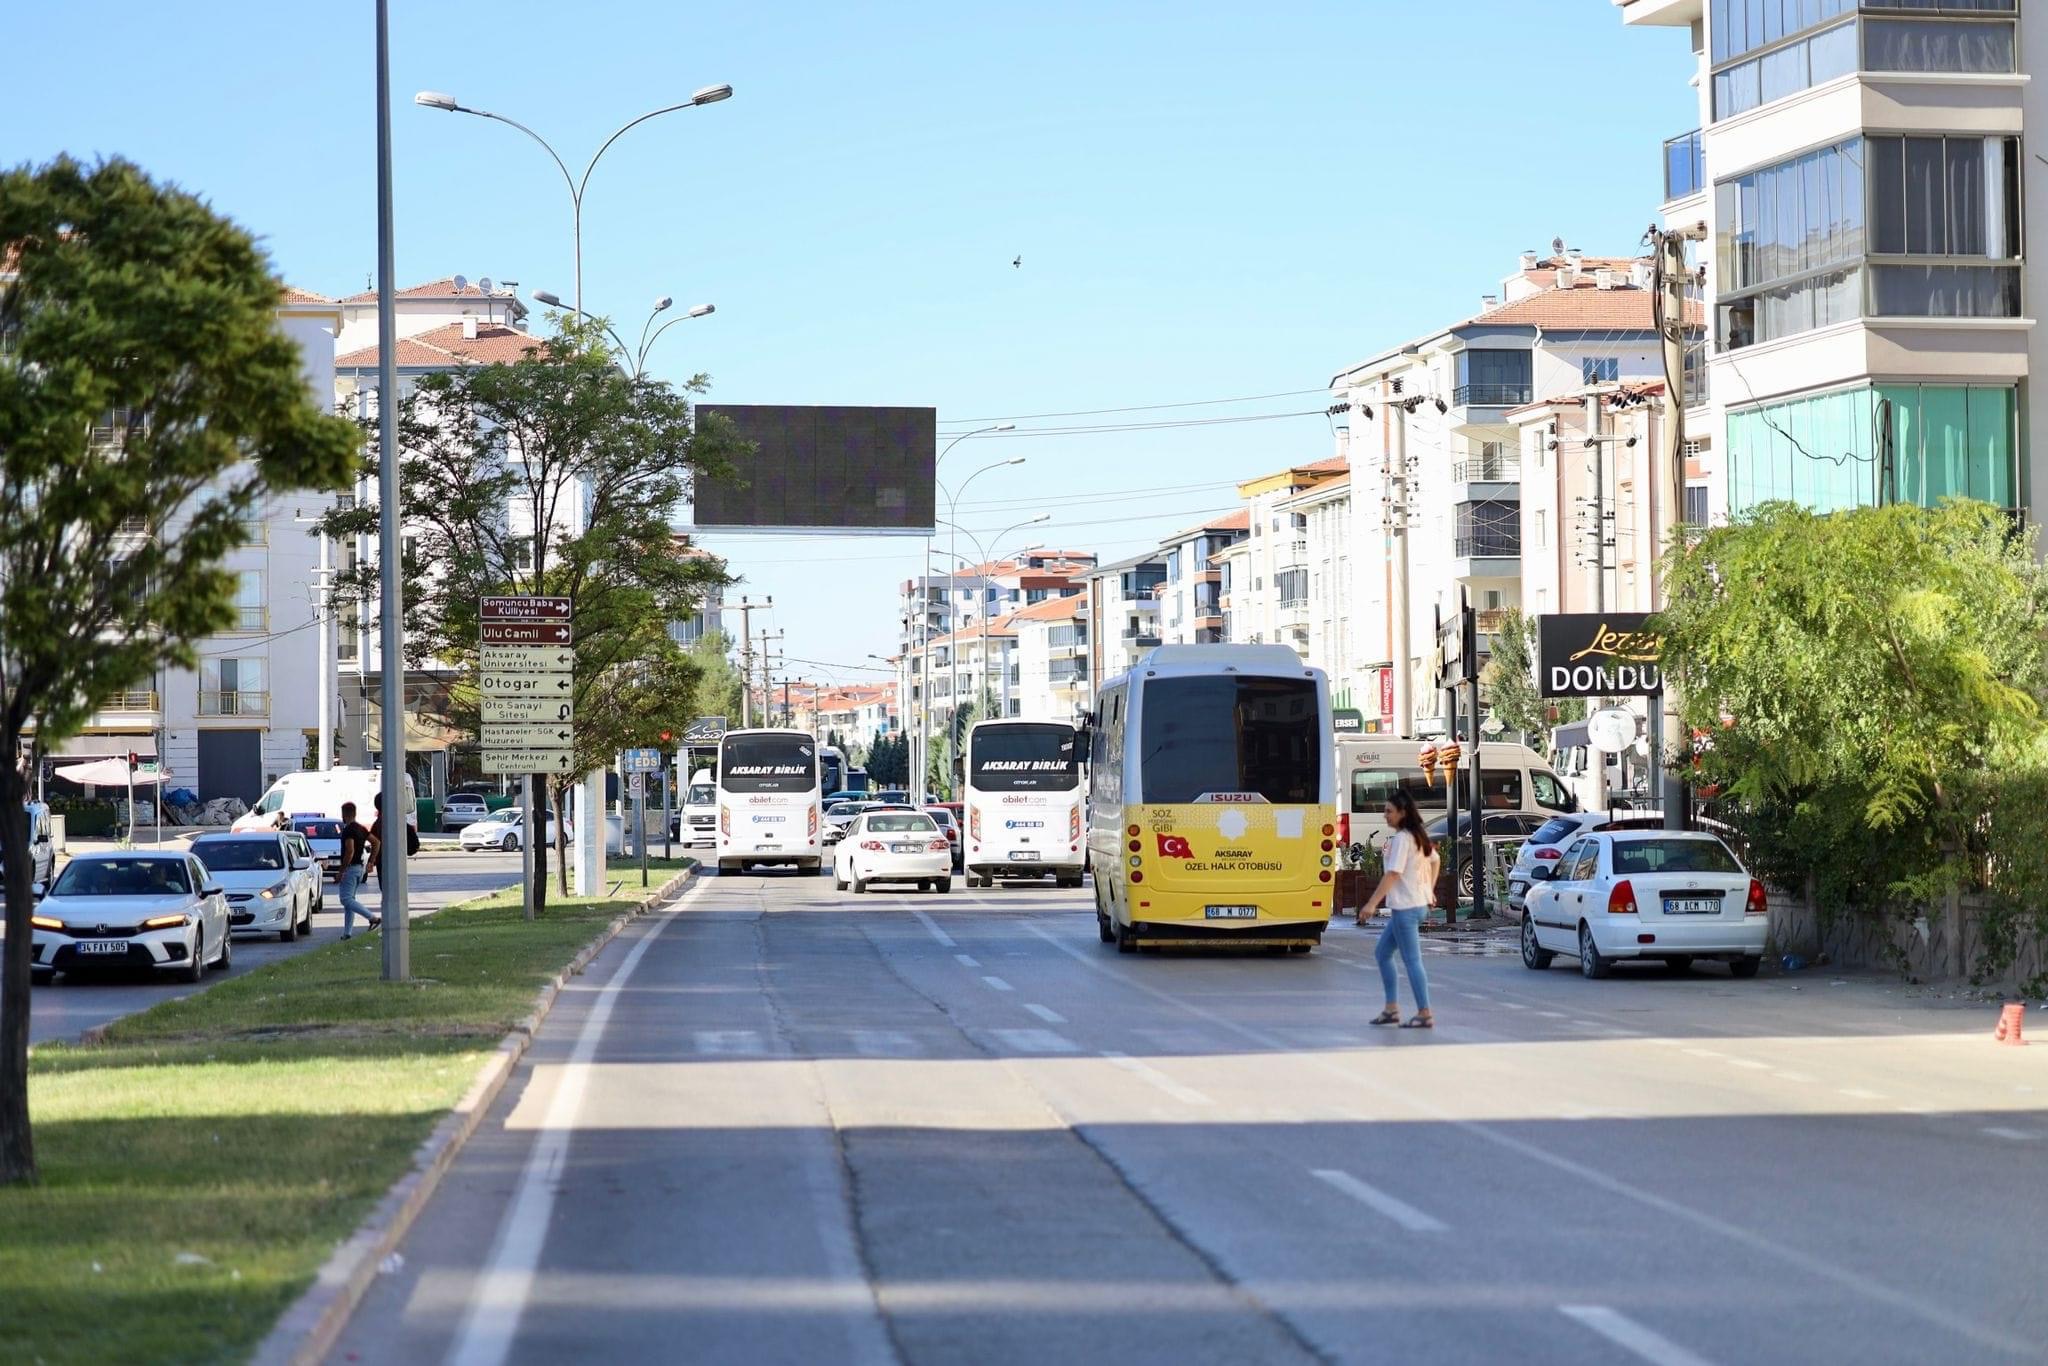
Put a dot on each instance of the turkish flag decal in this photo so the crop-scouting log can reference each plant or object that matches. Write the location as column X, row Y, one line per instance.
column 1174, row 846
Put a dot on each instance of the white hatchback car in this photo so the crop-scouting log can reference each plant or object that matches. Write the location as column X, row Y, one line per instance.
column 1669, row 895
column 272, row 883
column 893, row 846
column 150, row 908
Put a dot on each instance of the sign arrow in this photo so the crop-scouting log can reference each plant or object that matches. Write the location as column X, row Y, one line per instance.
column 525, row 633
column 546, row 659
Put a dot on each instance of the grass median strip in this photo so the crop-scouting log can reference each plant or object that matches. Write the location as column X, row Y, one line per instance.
column 201, row 1163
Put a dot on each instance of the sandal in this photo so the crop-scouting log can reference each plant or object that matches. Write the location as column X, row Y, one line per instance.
column 1388, row 1017
column 1420, row 1022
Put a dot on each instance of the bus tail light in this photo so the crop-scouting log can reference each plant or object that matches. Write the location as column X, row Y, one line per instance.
column 1622, row 900
column 1344, row 829
column 1074, row 823
column 974, row 822
column 812, row 824
column 724, row 820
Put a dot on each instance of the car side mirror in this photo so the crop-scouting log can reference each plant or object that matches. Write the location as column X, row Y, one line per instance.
column 1542, row 872
column 39, row 890
column 213, row 889
column 302, row 863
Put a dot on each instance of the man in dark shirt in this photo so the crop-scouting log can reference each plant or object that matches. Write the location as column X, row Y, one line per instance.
column 356, row 848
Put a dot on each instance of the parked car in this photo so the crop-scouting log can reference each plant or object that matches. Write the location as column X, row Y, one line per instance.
column 461, row 809
column 154, row 908
column 302, row 847
column 893, row 846
column 947, row 814
column 1548, row 842
column 270, row 886
column 323, row 835
column 1502, row 829
column 42, row 853
column 1669, row 895
column 839, row 815
column 505, row 830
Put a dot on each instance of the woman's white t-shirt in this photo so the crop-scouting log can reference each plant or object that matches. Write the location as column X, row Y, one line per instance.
column 1405, row 858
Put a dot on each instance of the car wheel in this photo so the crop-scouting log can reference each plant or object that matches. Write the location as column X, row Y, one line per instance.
column 943, row 886
column 838, row 882
column 1465, row 882
column 1591, row 964
column 1534, row 956
column 226, row 959
column 860, row 885
column 1744, row 967
column 1678, row 964
column 194, row 971
column 1126, row 942
column 510, row 844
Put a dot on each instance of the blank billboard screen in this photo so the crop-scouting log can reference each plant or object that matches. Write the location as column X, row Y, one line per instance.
column 823, row 469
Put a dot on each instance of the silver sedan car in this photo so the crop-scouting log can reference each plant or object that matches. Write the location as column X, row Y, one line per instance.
column 146, row 908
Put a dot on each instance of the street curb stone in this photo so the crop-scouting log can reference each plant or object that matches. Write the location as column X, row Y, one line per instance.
column 310, row 1328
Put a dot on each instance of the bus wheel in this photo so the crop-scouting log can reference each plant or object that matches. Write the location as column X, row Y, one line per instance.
column 1074, row 881
column 1126, row 942
column 1104, row 928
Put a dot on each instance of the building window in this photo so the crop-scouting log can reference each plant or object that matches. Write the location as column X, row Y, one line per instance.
column 1491, row 527
column 1540, row 528
column 233, row 687
column 250, row 614
column 1765, row 50
column 1492, row 378
column 1695, row 504
column 1837, row 450
column 1968, row 47
column 1790, row 245
column 1598, row 370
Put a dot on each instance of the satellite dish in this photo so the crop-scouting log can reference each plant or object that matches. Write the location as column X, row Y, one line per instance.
column 461, row 283
column 1557, row 246
column 484, row 284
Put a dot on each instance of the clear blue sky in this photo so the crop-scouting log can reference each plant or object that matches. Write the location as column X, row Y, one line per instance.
column 1211, row 200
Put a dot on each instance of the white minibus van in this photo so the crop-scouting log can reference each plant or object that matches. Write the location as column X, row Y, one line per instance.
column 1513, row 777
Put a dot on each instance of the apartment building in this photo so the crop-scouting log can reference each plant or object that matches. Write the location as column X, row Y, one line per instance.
column 1857, row 176
column 1123, row 607
column 1191, row 596
column 1436, row 458
column 1265, row 587
column 857, row 715
column 965, row 666
column 1052, row 659
column 942, row 602
column 1320, row 513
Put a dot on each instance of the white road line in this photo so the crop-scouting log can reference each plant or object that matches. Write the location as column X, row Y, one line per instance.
column 1044, row 1013
column 491, row 1323
column 1471, row 996
column 1551, row 1014
column 967, row 960
column 1750, row 1063
column 945, row 939
column 998, row 983
column 1703, row 1053
column 1033, row 1041
column 1400, row 1211
column 1185, row 1094
column 2016, row 1135
column 882, row 1043
column 1626, row 1333
column 1510, row 1005
column 1922, row 1307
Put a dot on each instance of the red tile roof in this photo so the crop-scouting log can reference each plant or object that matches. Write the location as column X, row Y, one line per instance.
column 294, row 295
column 1240, row 520
column 444, row 347
column 1052, row 609
column 443, row 288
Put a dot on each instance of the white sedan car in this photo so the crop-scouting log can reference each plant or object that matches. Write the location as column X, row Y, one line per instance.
column 893, row 846
column 504, row 830
column 1673, row 896
column 135, row 908
column 272, row 883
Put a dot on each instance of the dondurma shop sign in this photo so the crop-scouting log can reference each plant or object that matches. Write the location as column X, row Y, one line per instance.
column 1598, row 654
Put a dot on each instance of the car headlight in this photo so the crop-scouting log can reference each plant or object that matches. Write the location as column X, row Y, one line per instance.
column 273, row 891
column 165, row 922
column 44, row 922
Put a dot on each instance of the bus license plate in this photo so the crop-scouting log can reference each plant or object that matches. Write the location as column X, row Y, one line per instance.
column 1692, row 905
column 1231, row 912
column 1023, row 855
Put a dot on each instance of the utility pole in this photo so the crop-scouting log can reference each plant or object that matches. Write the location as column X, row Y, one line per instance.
column 1397, row 527
column 770, row 662
column 1670, row 297
column 746, row 609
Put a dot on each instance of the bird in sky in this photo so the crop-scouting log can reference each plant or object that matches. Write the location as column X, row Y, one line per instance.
column 1018, row 262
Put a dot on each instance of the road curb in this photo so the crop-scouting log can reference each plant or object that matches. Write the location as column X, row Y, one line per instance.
column 311, row 1326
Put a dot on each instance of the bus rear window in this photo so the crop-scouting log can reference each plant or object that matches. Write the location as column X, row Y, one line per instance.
column 1031, row 758
column 1231, row 734
column 768, row 763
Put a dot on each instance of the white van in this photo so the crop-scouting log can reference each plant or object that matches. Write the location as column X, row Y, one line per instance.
column 697, row 823
column 1369, row 767
column 313, row 793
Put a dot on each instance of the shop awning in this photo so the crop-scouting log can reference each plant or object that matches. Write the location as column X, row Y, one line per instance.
column 107, row 773
column 104, row 747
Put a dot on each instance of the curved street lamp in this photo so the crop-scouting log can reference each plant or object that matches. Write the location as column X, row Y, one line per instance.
column 995, row 540
column 661, row 305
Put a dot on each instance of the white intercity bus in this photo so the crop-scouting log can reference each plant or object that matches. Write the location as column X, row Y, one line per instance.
column 1023, row 802
column 769, row 802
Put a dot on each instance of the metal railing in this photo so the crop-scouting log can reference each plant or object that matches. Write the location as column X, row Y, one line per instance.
column 1492, row 545
column 234, row 703
column 1146, row 638
column 128, row 701
column 1490, row 395
column 1488, row 469
column 1684, row 171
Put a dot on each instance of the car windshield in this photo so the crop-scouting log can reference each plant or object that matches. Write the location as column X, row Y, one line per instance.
column 1556, row 830
column 123, row 877
column 240, row 856
column 318, row 830
column 902, row 823
column 701, row 794
column 846, row 808
column 768, row 761
column 1673, row 856
column 464, row 799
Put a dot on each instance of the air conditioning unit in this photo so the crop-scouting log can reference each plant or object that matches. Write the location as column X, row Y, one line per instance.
column 1567, row 277
column 1607, row 279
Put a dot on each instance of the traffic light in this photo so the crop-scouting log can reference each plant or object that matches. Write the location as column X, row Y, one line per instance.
column 667, row 736
column 134, row 761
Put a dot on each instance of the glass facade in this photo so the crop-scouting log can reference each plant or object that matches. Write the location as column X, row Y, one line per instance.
column 1833, row 450
column 1765, row 50
column 1789, row 246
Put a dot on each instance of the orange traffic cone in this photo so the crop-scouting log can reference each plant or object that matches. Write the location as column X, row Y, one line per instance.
column 2009, row 1025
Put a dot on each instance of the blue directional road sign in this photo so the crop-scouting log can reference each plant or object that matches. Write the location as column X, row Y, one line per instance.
column 643, row 761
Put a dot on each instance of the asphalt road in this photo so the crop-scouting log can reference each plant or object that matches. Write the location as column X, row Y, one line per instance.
column 71, row 1005
column 779, row 1124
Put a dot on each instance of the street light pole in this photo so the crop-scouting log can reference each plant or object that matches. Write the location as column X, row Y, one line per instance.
column 953, row 551
column 997, row 539
column 391, row 635
column 918, row 760
column 639, row 355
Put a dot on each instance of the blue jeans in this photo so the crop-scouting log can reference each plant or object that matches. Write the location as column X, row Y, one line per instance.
column 1404, row 933
column 351, row 878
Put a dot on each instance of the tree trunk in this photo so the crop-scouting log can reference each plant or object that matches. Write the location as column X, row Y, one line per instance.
column 540, row 846
column 17, row 1145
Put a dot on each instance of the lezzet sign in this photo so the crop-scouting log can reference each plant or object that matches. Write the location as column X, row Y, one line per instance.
column 1598, row 654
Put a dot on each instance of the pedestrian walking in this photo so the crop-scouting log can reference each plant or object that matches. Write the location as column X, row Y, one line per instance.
column 355, row 851
column 1405, row 889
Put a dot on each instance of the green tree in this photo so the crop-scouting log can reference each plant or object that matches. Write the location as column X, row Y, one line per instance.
column 889, row 762
column 555, row 473
column 718, row 678
column 143, row 381
column 1509, row 679
column 1859, row 674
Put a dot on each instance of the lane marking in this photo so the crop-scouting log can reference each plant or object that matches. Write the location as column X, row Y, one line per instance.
column 944, row 939
column 998, row 983
column 1703, row 1053
column 883, row 1043
column 491, row 1323
column 1400, row 1211
column 1510, row 1005
column 1927, row 1310
column 1033, row 1041
column 1750, row 1063
column 1185, row 1094
column 1048, row 1015
column 2016, row 1135
column 1626, row 1333
column 967, row 960
column 1551, row 1014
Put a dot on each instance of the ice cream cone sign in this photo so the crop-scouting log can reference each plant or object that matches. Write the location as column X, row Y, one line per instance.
column 1426, row 757
column 1447, row 757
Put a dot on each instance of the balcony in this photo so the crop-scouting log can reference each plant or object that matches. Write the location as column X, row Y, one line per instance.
column 1488, row 546
column 1490, row 620
column 1490, row 395
column 1294, row 611
column 1684, row 173
column 126, row 708
column 1142, row 637
column 234, row 703
column 1500, row 468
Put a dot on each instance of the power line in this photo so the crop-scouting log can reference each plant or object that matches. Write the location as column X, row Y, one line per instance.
column 1135, row 408
column 1107, row 427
